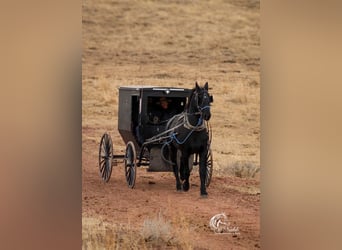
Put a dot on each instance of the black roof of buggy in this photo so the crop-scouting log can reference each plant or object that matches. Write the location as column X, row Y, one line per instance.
column 153, row 88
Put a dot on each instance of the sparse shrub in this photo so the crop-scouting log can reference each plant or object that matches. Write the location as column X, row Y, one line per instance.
column 241, row 169
column 239, row 99
column 157, row 230
column 253, row 83
column 239, row 94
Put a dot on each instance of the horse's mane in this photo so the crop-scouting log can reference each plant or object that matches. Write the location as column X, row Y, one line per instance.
column 187, row 106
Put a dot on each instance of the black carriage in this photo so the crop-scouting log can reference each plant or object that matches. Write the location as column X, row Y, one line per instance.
column 145, row 134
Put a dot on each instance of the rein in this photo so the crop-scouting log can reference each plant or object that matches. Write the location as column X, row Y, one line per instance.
column 173, row 137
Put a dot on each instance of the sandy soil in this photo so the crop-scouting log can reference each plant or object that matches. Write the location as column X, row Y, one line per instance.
column 175, row 43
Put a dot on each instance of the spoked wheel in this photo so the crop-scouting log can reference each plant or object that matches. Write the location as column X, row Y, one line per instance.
column 130, row 164
column 209, row 168
column 105, row 157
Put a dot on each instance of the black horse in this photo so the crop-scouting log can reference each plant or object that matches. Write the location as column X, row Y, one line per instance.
column 189, row 135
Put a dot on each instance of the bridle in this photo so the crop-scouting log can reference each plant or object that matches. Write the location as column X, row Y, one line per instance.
column 202, row 106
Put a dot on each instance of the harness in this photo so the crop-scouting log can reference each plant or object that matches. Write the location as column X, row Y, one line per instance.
column 183, row 120
column 168, row 136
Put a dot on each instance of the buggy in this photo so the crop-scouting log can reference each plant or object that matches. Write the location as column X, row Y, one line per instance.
column 144, row 135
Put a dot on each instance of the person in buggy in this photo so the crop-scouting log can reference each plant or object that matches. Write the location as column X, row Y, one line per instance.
column 162, row 112
column 159, row 113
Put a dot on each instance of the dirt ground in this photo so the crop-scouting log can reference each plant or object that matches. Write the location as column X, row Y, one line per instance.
column 175, row 43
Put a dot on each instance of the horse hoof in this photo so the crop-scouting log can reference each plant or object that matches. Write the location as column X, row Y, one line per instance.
column 204, row 194
column 186, row 186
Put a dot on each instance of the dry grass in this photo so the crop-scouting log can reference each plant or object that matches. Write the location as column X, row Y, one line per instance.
column 155, row 233
column 108, row 93
column 249, row 189
column 97, row 234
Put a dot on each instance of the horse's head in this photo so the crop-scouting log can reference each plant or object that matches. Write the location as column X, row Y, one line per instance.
column 202, row 100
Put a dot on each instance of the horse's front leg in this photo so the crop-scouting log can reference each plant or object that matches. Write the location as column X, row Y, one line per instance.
column 176, row 168
column 185, row 172
column 203, row 172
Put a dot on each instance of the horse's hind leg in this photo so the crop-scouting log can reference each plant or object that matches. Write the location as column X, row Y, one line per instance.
column 176, row 168
column 203, row 172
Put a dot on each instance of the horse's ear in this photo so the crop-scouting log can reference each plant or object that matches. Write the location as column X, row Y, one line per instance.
column 197, row 87
column 206, row 87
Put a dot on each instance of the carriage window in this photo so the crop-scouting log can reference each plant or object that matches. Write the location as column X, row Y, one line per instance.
column 177, row 104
